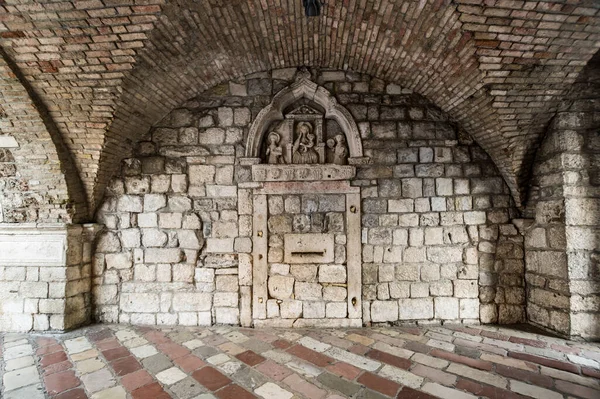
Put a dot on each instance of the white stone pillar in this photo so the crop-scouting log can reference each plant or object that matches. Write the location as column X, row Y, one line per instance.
column 45, row 276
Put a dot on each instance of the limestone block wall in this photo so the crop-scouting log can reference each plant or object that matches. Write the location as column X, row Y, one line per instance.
column 545, row 243
column 27, row 197
column 321, row 286
column 33, row 176
column 45, row 276
column 563, row 241
column 437, row 241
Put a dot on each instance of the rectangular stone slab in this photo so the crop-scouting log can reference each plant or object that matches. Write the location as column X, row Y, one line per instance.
column 308, row 248
column 33, row 248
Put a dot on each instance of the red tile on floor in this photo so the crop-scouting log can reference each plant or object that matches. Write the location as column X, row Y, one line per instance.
column 566, row 349
column 316, row 358
column 77, row 393
column 307, row 389
column 359, row 349
column 577, row 390
column 486, row 390
column 590, row 372
column 274, row 370
column 389, row 359
column 233, row 391
column 125, row 365
column 281, row 344
column 211, row 378
column 173, row 350
column 106, row 344
column 412, row 330
column 250, row 358
column 345, row 370
column 116, row 353
column 530, row 342
column 378, row 384
column 53, row 358
column 156, row 337
column 555, row 364
column 532, row 377
column 453, row 357
column 409, row 393
column 58, row 367
column 45, row 341
column 136, row 379
column 60, row 382
column 494, row 335
column 152, row 391
column 189, row 363
column 45, row 350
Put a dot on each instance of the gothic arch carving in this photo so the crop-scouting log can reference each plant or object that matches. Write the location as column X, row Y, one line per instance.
column 303, row 87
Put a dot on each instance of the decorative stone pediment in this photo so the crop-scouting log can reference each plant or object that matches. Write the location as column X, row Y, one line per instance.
column 315, row 140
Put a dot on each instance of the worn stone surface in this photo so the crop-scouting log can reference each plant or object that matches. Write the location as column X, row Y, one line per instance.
column 376, row 363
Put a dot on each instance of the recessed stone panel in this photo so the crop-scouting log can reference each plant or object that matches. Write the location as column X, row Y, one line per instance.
column 33, row 249
column 308, row 248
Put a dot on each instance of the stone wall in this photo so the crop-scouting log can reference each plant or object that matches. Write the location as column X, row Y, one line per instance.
column 436, row 233
column 322, row 286
column 35, row 175
column 563, row 242
column 45, row 276
column 24, row 198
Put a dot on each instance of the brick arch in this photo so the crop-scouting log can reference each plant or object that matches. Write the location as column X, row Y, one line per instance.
column 108, row 71
column 498, row 69
column 165, row 77
column 45, row 186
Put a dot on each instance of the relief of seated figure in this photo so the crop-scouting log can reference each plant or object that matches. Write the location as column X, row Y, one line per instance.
column 303, row 149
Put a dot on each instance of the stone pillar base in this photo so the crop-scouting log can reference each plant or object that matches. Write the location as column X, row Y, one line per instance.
column 45, row 276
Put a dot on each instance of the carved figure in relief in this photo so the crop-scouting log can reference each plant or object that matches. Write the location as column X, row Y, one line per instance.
column 303, row 149
column 340, row 150
column 274, row 151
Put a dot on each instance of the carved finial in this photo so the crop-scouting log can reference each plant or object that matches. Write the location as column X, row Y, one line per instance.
column 303, row 73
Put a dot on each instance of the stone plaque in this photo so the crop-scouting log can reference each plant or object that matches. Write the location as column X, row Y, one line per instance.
column 32, row 250
column 308, row 248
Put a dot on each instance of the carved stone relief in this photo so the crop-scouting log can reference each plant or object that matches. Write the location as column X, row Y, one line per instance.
column 303, row 134
column 301, row 139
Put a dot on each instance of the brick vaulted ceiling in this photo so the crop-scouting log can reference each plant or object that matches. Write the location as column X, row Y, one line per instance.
column 107, row 70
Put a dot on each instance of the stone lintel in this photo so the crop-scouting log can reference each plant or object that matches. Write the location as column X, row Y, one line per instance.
column 322, row 187
column 266, row 172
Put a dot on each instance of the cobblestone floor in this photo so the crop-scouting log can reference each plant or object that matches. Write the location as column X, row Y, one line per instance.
column 116, row 361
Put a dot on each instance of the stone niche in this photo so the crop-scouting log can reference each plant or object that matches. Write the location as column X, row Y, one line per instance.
column 306, row 242
column 203, row 226
column 306, row 255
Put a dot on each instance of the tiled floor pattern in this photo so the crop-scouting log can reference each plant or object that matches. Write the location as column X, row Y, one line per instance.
column 116, row 361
